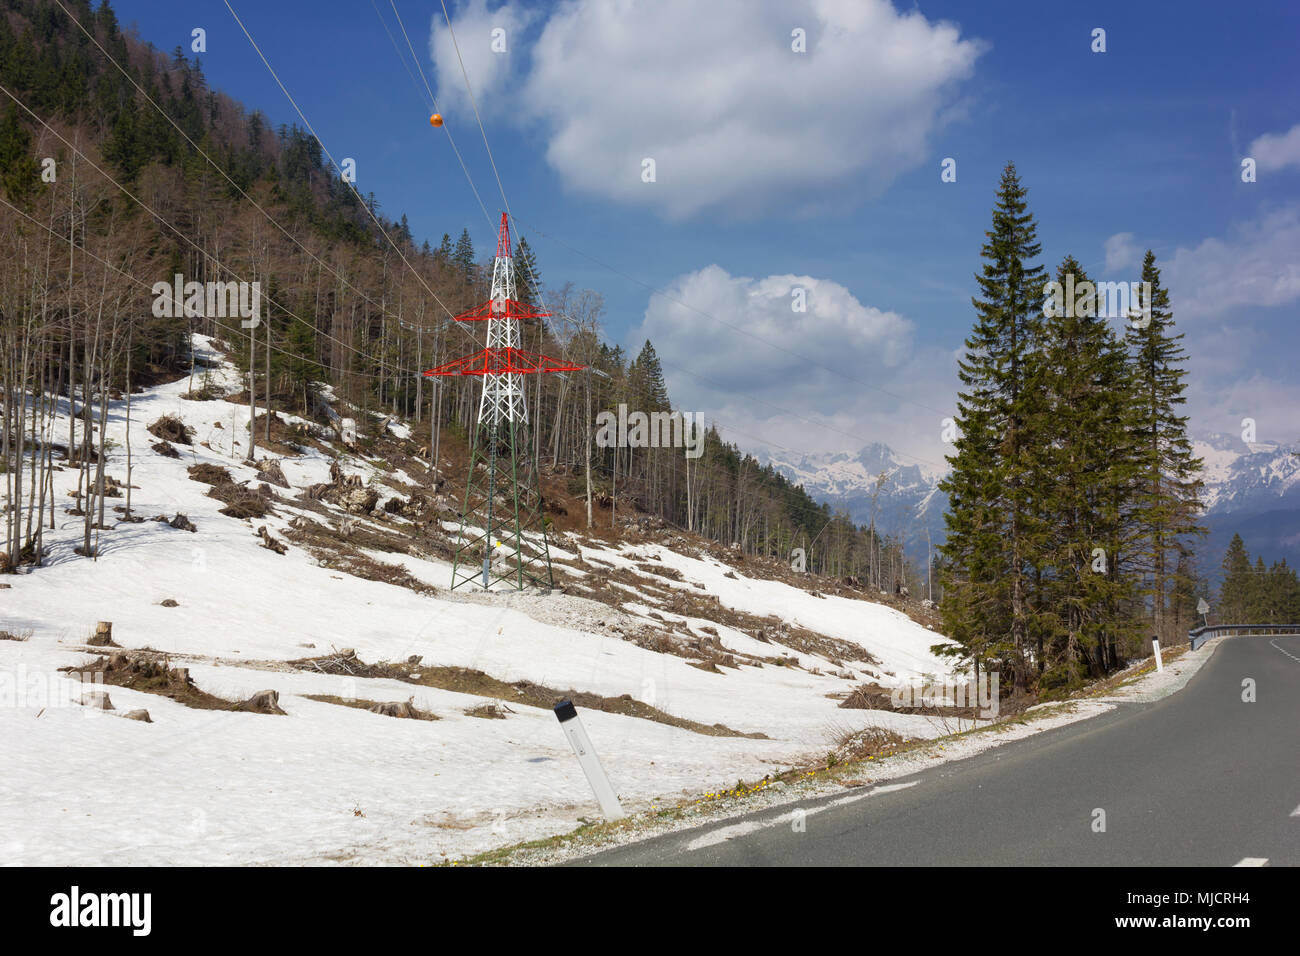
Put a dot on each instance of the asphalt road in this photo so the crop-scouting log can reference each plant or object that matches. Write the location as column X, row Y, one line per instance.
column 1199, row 778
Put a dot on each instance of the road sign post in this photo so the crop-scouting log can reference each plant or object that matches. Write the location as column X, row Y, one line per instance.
column 590, row 763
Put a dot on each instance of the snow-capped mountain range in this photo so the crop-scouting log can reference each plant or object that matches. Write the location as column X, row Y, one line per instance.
column 1251, row 488
column 901, row 495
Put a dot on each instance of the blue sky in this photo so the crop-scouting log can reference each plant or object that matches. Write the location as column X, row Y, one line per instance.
column 821, row 169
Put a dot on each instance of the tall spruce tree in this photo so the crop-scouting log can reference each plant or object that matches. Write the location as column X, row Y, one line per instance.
column 1257, row 605
column 989, row 547
column 646, row 381
column 1167, row 496
column 1081, row 448
column 444, row 253
column 1234, row 594
column 19, row 174
column 528, row 287
column 1289, row 595
column 463, row 257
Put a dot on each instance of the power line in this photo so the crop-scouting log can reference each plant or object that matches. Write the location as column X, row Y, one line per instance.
column 686, row 305
column 200, row 250
column 311, row 129
column 505, row 200
column 465, row 73
column 432, row 101
column 271, row 219
column 142, row 282
column 654, row 290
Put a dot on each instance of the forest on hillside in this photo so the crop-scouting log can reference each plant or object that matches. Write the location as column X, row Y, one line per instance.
column 121, row 168
column 1255, row 593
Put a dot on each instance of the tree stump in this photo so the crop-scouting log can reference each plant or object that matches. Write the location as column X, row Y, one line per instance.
column 263, row 702
column 103, row 636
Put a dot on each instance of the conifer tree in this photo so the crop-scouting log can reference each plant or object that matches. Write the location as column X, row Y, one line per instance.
column 1185, row 595
column 19, row 176
column 992, row 484
column 646, row 381
column 463, row 257
column 1288, row 595
column 528, row 282
column 1167, row 496
column 1234, row 594
column 1257, row 604
column 1079, row 446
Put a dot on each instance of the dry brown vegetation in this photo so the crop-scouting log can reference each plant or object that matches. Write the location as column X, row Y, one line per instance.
column 240, row 500
column 465, row 680
column 171, row 429
column 404, row 709
column 151, row 676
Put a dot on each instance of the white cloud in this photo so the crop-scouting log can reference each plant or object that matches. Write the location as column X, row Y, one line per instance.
column 833, row 378
column 490, row 72
column 1276, row 150
column 1122, row 253
column 1220, row 407
column 713, row 92
column 1258, row 265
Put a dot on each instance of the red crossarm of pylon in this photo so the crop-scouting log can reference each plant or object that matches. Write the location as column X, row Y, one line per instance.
column 509, row 309
column 503, row 362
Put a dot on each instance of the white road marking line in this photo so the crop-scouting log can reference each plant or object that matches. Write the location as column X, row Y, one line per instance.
column 723, row 834
column 1296, row 812
column 746, row 827
column 1252, row 861
column 854, row 797
column 1284, row 651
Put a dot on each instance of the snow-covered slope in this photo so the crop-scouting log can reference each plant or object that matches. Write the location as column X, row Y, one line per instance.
column 327, row 782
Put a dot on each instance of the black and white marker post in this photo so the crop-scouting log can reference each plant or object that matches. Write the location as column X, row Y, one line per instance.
column 581, row 744
column 1155, row 646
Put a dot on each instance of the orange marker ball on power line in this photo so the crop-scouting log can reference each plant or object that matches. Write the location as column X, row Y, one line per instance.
column 435, row 119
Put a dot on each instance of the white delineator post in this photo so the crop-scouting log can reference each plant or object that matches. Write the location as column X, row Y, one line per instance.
column 1155, row 646
column 581, row 744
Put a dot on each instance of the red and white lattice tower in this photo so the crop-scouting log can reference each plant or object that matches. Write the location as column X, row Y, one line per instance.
column 502, row 533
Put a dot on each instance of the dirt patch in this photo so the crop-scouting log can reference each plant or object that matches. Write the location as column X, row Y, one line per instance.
column 340, row 545
column 180, row 522
column 270, row 470
column 210, row 474
column 489, row 712
column 465, row 680
column 240, row 500
column 155, row 677
column 405, row 709
column 685, row 603
column 661, row 570
column 171, row 429
column 206, row 392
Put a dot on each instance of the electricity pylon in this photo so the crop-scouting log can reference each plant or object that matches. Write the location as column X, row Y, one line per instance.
column 502, row 532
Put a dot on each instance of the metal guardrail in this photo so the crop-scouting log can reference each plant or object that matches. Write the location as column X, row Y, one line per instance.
column 1203, row 634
